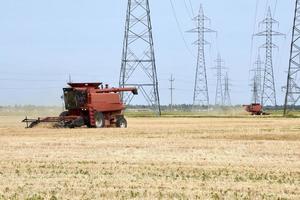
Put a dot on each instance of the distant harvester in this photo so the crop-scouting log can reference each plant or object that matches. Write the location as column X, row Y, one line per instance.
column 255, row 109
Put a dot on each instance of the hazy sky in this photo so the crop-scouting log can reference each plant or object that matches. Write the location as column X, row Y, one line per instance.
column 43, row 41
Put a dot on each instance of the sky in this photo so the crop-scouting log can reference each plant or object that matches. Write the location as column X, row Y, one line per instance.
column 43, row 42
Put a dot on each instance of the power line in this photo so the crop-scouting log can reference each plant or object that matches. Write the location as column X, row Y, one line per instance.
column 192, row 8
column 180, row 30
column 275, row 8
column 187, row 9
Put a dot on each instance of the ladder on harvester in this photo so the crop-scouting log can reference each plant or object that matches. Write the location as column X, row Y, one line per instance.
column 92, row 117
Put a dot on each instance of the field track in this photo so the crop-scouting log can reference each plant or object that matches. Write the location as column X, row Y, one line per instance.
column 168, row 158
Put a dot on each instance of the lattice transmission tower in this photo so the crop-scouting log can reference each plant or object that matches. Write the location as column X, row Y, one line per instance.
column 201, row 96
column 227, row 98
column 293, row 81
column 255, row 94
column 138, row 67
column 268, row 97
column 257, row 81
column 219, row 98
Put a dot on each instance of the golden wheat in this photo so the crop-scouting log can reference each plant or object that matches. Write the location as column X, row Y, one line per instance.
column 168, row 158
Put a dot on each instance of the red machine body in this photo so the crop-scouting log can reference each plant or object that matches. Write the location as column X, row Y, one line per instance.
column 254, row 109
column 90, row 104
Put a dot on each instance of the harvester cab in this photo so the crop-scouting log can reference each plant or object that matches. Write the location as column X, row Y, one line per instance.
column 91, row 105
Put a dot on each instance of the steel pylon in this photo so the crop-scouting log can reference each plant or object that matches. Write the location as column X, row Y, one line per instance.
column 257, row 81
column 219, row 98
column 292, row 89
column 138, row 67
column 268, row 97
column 201, row 96
column 227, row 98
column 255, row 93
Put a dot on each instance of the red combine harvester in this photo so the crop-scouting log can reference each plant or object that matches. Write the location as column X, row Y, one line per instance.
column 91, row 105
column 255, row 109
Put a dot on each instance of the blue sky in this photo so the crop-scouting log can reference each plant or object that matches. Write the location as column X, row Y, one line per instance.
column 43, row 41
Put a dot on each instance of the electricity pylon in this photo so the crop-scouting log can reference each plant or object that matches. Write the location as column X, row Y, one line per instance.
column 255, row 93
column 257, row 81
column 292, row 89
column 171, row 90
column 138, row 67
column 219, row 99
column 201, row 96
column 227, row 99
column 268, row 97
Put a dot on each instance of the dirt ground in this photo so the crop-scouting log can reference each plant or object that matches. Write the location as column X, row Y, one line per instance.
column 168, row 158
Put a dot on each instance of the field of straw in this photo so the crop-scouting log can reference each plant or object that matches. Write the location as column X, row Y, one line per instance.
column 168, row 158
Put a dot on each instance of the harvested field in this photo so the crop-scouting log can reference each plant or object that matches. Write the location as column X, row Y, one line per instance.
column 168, row 158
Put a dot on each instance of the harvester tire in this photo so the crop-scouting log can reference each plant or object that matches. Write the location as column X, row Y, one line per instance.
column 99, row 120
column 76, row 123
column 121, row 122
column 64, row 114
column 33, row 124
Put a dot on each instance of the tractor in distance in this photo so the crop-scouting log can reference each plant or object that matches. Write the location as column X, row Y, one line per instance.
column 89, row 104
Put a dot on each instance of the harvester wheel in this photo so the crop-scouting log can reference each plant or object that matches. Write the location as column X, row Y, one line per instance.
column 99, row 120
column 33, row 124
column 64, row 114
column 76, row 123
column 121, row 122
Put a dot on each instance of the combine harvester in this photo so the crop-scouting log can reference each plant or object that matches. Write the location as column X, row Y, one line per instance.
column 255, row 109
column 91, row 105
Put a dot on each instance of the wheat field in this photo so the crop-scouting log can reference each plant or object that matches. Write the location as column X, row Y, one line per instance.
column 167, row 158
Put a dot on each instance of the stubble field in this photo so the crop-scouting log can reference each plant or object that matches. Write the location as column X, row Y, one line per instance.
column 168, row 158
